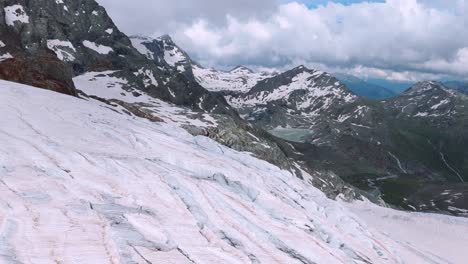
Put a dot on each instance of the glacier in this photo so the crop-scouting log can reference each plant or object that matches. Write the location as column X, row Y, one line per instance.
column 85, row 182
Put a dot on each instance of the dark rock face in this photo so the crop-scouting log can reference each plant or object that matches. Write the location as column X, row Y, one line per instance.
column 166, row 53
column 79, row 32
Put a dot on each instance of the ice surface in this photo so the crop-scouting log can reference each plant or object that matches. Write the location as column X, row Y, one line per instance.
column 82, row 183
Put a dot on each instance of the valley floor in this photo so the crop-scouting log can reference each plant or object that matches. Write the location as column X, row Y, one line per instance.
column 82, row 182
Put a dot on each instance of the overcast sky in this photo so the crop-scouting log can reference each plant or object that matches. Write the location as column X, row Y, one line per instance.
column 392, row 39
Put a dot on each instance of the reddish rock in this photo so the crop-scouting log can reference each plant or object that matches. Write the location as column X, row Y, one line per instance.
column 43, row 71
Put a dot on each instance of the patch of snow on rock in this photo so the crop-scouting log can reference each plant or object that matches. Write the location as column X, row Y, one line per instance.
column 139, row 44
column 101, row 49
column 5, row 56
column 63, row 49
column 15, row 13
column 174, row 56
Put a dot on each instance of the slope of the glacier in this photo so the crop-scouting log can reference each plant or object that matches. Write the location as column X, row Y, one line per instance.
column 84, row 182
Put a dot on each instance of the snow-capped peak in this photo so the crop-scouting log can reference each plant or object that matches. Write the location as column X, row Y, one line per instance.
column 315, row 87
column 424, row 87
column 241, row 70
column 240, row 79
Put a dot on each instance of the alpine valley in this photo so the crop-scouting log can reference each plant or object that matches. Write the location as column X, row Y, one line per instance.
column 122, row 149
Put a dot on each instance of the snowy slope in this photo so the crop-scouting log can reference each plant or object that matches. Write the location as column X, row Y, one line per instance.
column 82, row 183
column 107, row 86
column 435, row 235
column 239, row 79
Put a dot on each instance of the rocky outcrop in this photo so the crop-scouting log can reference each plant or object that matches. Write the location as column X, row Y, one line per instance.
column 43, row 71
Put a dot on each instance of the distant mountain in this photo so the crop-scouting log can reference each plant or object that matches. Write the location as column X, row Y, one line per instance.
column 461, row 86
column 431, row 101
column 240, row 79
column 295, row 97
column 408, row 149
column 395, row 86
column 365, row 88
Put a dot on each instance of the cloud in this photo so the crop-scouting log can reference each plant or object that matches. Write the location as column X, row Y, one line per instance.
column 457, row 65
column 162, row 16
column 395, row 39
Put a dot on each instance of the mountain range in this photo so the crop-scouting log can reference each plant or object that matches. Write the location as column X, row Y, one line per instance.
column 132, row 152
column 407, row 149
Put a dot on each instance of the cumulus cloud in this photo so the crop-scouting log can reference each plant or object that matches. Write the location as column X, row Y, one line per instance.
column 395, row 39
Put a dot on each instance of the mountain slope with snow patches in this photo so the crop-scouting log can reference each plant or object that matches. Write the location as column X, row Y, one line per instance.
column 296, row 98
column 83, row 182
column 408, row 150
column 239, row 79
column 163, row 49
